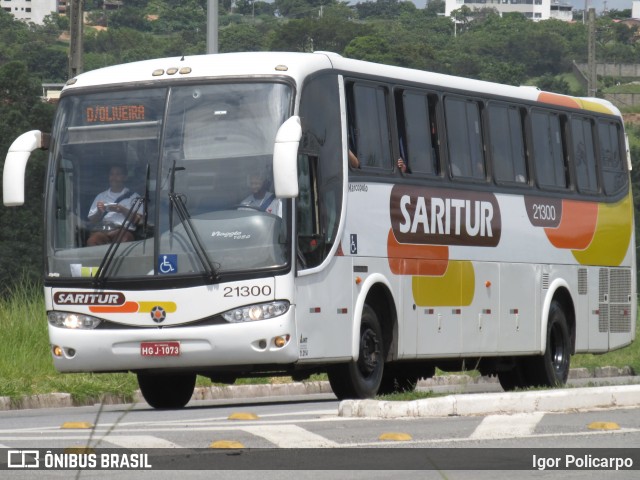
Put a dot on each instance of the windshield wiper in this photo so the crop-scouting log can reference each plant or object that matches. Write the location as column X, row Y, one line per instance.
column 101, row 275
column 177, row 201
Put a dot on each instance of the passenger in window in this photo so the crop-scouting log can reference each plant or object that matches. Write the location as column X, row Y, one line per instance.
column 261, row 198
column 353, row 160
column 110, row 208
column 402, row 166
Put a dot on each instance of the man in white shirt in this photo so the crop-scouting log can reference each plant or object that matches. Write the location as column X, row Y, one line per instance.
column 260, row 197
column 110, row 208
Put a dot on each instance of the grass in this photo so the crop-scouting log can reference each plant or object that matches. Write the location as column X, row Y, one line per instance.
column 26, row 367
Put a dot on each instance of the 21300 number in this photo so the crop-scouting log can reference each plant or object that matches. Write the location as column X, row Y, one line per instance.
column 248, row 291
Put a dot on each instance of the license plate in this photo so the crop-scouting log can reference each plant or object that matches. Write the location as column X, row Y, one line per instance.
column 160, row 349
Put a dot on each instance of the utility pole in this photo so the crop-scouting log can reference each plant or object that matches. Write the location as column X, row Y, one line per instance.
column 592, row 77
column 75, row 42
column 212, row 26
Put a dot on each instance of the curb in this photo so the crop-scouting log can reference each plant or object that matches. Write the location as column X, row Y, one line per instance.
column 496, row 403
column 257, row 391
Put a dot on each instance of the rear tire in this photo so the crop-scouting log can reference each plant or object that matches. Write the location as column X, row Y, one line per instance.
column 552, row 368
column 361, row 379
column 513, row 378
column 167, row 391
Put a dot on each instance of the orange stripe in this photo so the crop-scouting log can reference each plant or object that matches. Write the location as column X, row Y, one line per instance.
column 412, row 259
column 561, row 100
column 128, row 307
column 577, row 226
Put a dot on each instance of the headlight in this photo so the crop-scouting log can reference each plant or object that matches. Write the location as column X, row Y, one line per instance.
column 72, row 320
column 262, row 311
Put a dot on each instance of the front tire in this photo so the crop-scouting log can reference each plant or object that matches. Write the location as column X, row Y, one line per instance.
column 167, row 391
column 361, row 379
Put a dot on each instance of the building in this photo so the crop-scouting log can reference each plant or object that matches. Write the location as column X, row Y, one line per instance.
column 533, row 9
column 33, row 10
column 561, row 11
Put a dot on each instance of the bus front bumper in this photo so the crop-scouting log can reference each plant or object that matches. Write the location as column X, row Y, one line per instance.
column 194, row 348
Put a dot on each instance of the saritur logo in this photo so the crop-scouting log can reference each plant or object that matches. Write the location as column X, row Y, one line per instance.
column 88, row 298
column 436, row 216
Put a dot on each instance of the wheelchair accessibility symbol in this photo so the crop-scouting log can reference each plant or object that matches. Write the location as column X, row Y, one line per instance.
column 167, row 264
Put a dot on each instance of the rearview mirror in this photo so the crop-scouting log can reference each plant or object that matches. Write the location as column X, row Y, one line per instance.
column 285, row 158
column 15, row 165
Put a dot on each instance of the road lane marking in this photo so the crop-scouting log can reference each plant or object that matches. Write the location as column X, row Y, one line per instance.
column 507, row 426
column 139, row 441
column 289, row 436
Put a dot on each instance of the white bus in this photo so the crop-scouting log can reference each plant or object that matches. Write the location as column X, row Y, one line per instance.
column 503, row 241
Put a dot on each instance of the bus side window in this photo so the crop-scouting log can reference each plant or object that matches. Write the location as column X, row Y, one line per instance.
column 507, row 144
column 464, row 138
column 417, row 132
column 614, row 176
column 548, row 150
column 368, row 126
column 583, row 153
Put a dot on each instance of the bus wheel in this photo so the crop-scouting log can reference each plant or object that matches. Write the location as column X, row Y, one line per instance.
column 514, row 377
column 552, row 368
column 167, row 391
column 361, row 379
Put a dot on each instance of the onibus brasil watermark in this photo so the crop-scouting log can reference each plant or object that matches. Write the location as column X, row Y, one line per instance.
column 53, row 460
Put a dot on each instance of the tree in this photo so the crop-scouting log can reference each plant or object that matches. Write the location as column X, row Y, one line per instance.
column 384, row 8
column 434, row 7
column 21, row 110
column 240, row 38
column 307, row 35
column 552, row 83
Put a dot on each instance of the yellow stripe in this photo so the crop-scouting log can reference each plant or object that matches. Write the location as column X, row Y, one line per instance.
column 169, row 307
column 594, row 106
column 455, row 288
column 612, row 236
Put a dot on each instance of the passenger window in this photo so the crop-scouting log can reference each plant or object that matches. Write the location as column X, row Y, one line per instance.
column 548, row 150
column 583, row 154
column 418, row 137
column 614, row 177
column 464, row 138
column 369, row 140
column 507, row 145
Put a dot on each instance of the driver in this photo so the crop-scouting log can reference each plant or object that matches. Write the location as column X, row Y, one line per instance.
column 110, row 208
column 261, row 198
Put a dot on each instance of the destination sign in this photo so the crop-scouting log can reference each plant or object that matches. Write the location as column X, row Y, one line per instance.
column 114, row 113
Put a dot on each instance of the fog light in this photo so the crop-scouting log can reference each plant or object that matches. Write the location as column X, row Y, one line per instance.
column 57, row 351
column 281, row 341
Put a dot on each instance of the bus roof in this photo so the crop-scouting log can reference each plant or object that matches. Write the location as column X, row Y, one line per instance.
column 298, row 65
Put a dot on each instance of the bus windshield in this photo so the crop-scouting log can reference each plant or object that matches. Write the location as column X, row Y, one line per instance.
column 166, row 181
